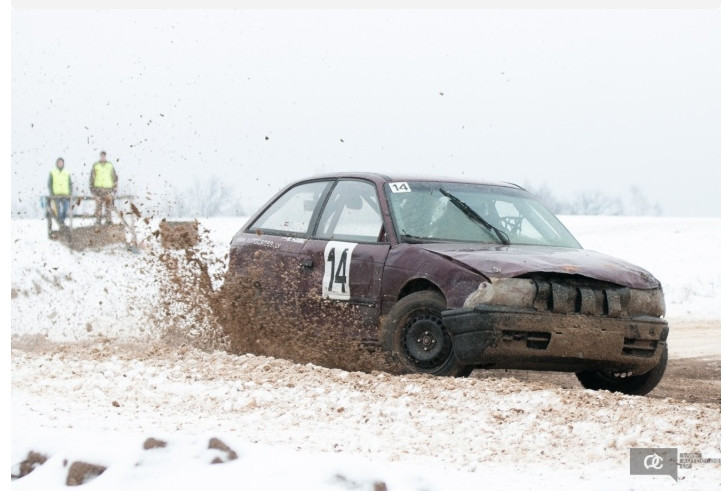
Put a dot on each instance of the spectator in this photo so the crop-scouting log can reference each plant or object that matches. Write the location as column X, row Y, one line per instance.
column 60, row 188
column 104, row 184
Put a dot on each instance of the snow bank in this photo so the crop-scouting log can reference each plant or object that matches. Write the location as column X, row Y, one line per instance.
column 185, row 464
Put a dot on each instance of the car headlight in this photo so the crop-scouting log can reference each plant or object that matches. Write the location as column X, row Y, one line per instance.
column 510, row 292
column 648, row 302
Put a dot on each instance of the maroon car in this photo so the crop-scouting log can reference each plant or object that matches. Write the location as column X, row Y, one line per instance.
column 446, row 276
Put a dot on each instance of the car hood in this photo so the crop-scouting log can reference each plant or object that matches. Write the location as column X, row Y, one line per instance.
column 497, row 261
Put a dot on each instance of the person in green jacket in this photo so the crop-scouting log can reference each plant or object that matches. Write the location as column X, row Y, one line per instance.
column 104, row 184
column 59, row 184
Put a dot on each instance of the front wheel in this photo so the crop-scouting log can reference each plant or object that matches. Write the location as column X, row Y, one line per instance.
column 637, row 385
column 417, row 339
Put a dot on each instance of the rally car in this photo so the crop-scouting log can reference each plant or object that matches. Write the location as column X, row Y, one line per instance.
column 445, row 276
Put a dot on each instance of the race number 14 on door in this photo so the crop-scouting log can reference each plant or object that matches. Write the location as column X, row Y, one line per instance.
column 336, row 279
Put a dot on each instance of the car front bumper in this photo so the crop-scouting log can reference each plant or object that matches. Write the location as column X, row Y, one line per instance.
column 520, row 338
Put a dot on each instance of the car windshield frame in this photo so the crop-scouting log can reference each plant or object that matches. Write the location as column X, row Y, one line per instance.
column 432, row 217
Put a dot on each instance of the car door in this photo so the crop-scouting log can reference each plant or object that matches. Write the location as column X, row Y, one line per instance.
column 265, row 258
column 345, row 259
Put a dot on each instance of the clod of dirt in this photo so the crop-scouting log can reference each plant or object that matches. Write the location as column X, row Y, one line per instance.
column 135, row 211
column 217, row 444
column 82, row 238
column 83, row 472
column 33, row 460
column 150, row 443
column 179, row 235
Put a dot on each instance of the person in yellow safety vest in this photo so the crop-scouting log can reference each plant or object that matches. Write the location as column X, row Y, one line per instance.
column 59, row 184
column 104, row 184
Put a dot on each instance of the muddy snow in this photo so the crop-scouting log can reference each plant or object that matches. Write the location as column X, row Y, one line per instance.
column 109, row 349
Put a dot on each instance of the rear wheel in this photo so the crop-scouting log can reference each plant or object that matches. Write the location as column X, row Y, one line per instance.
column 624, row 382
column 416, row 336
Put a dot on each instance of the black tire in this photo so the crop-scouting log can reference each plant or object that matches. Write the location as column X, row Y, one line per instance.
column 416, row 338
column 637, row 385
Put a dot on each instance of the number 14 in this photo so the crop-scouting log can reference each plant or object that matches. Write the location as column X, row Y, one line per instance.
column 338, row 275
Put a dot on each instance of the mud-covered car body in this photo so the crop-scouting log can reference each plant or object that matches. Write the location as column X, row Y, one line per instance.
column 449, row 275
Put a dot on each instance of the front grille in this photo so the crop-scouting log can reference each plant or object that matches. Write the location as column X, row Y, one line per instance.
column 577, row 295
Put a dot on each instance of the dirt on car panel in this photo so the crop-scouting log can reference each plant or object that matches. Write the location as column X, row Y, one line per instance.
column 292, row 327
column 533, row 342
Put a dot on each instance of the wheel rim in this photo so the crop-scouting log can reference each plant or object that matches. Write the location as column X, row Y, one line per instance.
column 425, row 342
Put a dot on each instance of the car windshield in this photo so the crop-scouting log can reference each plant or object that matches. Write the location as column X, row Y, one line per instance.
column 426, row 211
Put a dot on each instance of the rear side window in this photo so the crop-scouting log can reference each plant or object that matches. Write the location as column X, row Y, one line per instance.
column 351, row 213
column 292, row 212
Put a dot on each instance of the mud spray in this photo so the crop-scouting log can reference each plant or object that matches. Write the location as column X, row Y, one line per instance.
column 203, row 306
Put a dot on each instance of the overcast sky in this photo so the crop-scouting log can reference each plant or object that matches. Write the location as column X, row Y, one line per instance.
column 576, row 99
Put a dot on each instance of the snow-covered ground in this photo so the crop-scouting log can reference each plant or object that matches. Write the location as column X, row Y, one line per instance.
column 92, row 378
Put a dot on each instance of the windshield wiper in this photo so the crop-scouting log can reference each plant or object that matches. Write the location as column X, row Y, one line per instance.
column 413, row 239
column 475, row 217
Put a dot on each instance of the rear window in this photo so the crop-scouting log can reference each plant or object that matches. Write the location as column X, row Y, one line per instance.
column 292, row 212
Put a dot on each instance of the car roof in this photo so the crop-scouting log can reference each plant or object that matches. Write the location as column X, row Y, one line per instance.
column 382, row 178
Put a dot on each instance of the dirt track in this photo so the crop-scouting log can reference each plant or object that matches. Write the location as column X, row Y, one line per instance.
column 687, row 379
column 694, row 379
column 693, row 373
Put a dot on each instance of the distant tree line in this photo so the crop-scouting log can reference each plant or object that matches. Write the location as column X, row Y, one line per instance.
column 595, row 202
column 214, row 197
column 206, row 199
